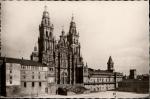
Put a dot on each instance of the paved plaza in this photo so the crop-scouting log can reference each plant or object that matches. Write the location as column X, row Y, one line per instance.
column 107, row 94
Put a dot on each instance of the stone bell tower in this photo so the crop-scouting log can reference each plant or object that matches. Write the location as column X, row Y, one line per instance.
column 46, row 39
column 110, row 65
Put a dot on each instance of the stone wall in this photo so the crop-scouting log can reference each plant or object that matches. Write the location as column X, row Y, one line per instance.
column 36, row 90
column 12, row 74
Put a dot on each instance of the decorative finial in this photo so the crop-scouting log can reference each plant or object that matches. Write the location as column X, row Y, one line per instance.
column 110, row 60
column 35, row 46
column 63, row 30
column 72, row 17
column 45, row 8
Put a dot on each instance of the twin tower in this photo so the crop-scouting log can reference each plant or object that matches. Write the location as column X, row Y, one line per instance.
column 63, row 56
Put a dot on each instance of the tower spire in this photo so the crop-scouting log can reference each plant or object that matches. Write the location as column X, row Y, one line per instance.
column 110, row 64
column 72, row 18
column 45, row 12
column 45, row 8
column 45, row 41
column 72, row 29
column 110, row 59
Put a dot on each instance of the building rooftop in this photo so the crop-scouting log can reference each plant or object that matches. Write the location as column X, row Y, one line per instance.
column 93, row 72
column 21, row 61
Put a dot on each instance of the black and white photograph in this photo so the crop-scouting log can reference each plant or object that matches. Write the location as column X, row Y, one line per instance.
column 74, row 49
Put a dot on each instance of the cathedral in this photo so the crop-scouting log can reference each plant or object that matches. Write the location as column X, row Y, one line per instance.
column 62, row 56
column 55, row 67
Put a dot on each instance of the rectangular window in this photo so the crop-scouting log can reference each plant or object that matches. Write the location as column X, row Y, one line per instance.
column 39, row 77
column 10, row 82
column 10, row 77
column 10, row 71
column 32, row 84
column 32, row 77
column 25, row 84
column 40, row 84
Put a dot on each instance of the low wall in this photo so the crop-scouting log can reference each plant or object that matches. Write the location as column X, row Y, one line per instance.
column 138, row 86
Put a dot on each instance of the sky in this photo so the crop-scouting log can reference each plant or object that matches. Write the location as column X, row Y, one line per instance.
column 117, row 29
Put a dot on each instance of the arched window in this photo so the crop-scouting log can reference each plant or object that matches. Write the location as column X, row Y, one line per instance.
column 46, row 33
column 40, row 84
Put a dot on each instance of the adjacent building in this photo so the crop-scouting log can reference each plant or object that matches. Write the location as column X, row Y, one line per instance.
column 21, row 77
column 135, row 83
column 133, row 74
column 103, row 80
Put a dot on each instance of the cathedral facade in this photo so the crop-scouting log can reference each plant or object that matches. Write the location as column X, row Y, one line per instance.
column 55, row 64
column 62, row 56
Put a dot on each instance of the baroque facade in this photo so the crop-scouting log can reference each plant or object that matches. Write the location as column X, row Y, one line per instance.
column 62, row 56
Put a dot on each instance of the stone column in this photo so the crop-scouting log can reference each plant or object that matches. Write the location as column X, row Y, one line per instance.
column 74, row 71
column 72, row 75
column 58, row 68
